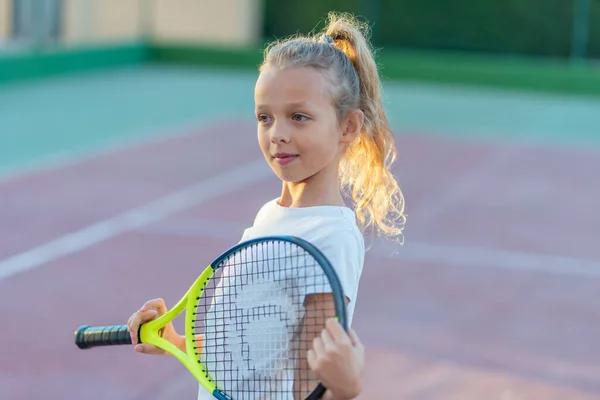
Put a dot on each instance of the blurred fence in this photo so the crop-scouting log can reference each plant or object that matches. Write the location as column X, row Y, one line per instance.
column 556, row 28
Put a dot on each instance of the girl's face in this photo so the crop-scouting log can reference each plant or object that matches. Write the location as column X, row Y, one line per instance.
column 298, row 129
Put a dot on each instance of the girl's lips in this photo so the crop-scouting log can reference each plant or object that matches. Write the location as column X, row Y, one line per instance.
column 284, row 159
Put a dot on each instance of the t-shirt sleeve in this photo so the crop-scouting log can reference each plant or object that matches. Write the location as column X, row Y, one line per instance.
column 345, row 252
column 262, row 213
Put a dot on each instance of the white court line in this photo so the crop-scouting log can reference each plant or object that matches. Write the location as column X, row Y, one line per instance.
column 481, row 257
column 422, row 252
column 245, row 176
column 214, row 187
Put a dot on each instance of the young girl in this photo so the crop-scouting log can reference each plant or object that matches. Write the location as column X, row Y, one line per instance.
column 323, row 130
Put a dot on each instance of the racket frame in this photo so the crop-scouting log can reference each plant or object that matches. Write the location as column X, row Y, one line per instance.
column 149, row 332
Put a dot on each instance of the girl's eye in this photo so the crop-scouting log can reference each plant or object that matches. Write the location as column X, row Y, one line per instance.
column 263, row 118
column 299, row 117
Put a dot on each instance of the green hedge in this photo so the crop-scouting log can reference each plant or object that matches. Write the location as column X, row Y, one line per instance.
column 446, row 67
column 43, row 63
column 427, row 66
column 533, row 27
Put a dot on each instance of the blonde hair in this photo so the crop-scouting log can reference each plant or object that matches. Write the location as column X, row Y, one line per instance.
column 343, row 53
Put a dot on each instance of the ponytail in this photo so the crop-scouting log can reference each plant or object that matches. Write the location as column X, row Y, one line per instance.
column 343, row 51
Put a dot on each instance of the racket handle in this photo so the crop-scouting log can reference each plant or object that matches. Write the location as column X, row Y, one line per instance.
column 92, row 336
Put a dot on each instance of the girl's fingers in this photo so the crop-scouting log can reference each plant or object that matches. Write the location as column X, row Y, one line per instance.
column 147, row 349
column 151, row 309
column 157, row 304
column 318, row 347
column 336, row 332
column 311, row 358
column 328, row 396
column 354, row 339
column 149, row 315
column 328, row 342
column 137, row 319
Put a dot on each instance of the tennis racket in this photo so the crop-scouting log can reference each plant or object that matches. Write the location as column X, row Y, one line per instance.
column 257, row 308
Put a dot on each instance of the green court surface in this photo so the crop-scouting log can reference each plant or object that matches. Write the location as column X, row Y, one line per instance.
column 57, row 118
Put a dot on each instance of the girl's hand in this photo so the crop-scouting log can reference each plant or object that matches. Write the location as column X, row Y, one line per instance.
column 153, row 309
column 338, row 359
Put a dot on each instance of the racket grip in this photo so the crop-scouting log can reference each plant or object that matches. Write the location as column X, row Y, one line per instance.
column 93, row 336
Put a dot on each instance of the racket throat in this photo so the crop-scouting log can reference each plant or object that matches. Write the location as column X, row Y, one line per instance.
column 220, row 395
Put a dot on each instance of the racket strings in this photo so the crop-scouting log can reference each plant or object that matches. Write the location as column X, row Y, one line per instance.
column 255, row 324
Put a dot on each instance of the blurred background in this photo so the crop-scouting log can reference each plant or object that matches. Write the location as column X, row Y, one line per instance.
column 128, row 161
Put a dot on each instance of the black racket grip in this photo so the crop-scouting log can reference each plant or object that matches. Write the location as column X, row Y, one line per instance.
column 93, row 336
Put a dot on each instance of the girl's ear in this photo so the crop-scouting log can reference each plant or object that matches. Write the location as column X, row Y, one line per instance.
column 353, row 124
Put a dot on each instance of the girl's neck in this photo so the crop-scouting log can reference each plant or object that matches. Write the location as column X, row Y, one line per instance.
column 310, row 193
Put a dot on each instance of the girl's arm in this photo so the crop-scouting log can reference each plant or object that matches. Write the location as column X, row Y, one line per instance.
column 180, row 343
column 330, row 356
column 338, row 360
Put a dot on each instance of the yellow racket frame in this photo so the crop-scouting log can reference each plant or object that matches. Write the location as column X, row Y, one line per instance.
column 150, row 333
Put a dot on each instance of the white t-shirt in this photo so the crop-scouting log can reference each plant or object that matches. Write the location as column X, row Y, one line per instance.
column 331, row 229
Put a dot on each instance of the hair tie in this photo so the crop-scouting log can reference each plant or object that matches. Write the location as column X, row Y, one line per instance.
column 327, row 39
